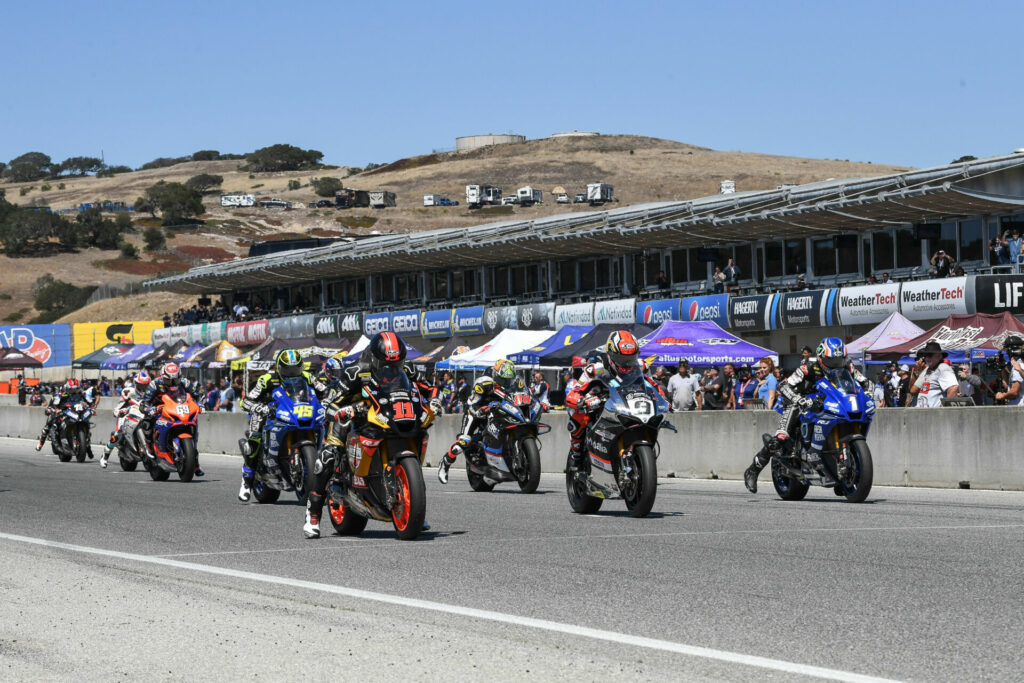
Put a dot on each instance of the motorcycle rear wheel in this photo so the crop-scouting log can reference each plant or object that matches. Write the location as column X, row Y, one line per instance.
column 531, row 456
column 477, row 483
column 157, row 473
column 640, row 503
column 264, row 494
column 410, row 508
column 787, row 487
column 345, row 522
column 863, row 473
column 126, row 464
column 187, row 462
column 579, row 500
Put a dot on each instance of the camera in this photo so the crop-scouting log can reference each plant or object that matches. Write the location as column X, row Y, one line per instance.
column 996, row 363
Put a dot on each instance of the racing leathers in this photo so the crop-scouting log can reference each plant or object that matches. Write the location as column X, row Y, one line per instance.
column 157, row 388
column 474, row 418
column 55, row 409
column 129, row 397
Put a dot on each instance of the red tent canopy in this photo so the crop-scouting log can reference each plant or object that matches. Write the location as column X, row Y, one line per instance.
column 13, row 359
column 961, row 332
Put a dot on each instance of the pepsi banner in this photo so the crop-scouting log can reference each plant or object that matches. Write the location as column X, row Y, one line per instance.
column 654, row 313
column 536, row 316
column 467, row 321
column 48, row 344
column 376, row 322
column 810, row 308
column 434, row 324
column 759, row 312
column 999, row 294
column 714, row 307
column 406, row 322
column 500, row 318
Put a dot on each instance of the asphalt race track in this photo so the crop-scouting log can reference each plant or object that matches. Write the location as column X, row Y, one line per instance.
column 108, row 574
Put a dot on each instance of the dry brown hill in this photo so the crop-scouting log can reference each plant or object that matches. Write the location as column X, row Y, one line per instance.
column 642, row 169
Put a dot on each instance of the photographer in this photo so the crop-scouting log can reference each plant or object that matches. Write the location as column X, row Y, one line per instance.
column 1013, row 372
column 931, row 379
column 971, row 385
column 942, row 264
column 1000, row 252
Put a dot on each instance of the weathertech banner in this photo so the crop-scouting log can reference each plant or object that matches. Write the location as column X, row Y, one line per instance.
column 759, row 312
column 809, row 308
column 376, row 322
column 48, row 344
column 406, row 323
column 468, row 321
column 616, row 312
column 434, row 324
column 500, row 318
column 714, row 307
column 933, row 299
column 536, row 316
column 656, row 312
column 574, row 314
column 869, row 304
column 91, row 336
column 249, row 333
column 999, row 293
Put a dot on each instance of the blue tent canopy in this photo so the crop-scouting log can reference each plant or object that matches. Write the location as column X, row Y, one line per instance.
column 563, row 337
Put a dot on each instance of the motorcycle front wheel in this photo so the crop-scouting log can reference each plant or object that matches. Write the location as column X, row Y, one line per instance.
column 863, row 473
column 64, row 450
column 476, row 481
column 410, row 508
column 186, row 460
column 644, row 482
column 529, row 478
column 302, row 472
column 127, row 464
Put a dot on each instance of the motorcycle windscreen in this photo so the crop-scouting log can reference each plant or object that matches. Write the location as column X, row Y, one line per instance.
column 296, row 388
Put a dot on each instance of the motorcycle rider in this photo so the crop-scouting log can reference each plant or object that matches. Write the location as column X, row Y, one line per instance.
column 288, row 364
column 475, row 416
column 794, row 390
column 70, row 393
column 131, row 395
column 169, row 379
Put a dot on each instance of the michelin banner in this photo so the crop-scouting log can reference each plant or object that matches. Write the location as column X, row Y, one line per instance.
column 91, row 336
column 468, row 321
column 436, row 324
column 48, row 344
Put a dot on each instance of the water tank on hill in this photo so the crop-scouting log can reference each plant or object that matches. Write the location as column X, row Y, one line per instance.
column 468, row 142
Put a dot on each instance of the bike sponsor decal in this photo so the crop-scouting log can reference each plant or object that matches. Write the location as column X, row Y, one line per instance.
column 868, row 304
column 574, row 314
column 714, row 307
column 536, row 316
column 653, row 313
column 248, row 333
column 809, row 308
column 435, row 324
column 91, row 336
column 999, row 293
column 376, row 322
column 468, row 320
column 933, row 299
column 760, row 312
column 616, row 312
column 406, row 322
column 48, row 344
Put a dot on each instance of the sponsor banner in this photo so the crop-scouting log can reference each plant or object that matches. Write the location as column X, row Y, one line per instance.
column 999, row 294
column 326, row 326
column 654, row 313
column 808, row 308
column 376, row 322
column 248, row 333
column 714, row 307
column 869, row 304
column 350, row 322
column 303, row 325
column 203, row 333
column 759, row 312
column 434, row 324
column 574, row 314
column 536, row 316
column 406, row 322
column 933, row 299
column 91, row 336
column 162, row 337
column 280, row 328
column 500, row 318
column 468, row 320
column 48, row 344
column 616, row 312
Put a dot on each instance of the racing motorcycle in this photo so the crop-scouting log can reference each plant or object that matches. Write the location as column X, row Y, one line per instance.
column 832, row 448
column 508, row 449
column 174, row 437
column 131, row 446
column 621, row 447
column 380, row 476
column 71, row 436
column 293, row 432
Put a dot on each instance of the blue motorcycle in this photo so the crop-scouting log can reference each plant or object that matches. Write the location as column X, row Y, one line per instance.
column 291, row 439
column 832, row 448
column 72, row 436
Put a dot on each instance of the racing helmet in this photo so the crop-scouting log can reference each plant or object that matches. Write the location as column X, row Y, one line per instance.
column 504, row 373
column 72, row 385
column 386, row 350
column 142, row 380
column 171, row 375
column 623, row 351
column 288, row 364
column 332, row 368
column 832, row 353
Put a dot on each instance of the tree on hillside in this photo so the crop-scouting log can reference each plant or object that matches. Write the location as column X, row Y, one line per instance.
column 175, row 201
column 3, row 167
column 283, row 158
column 206, row 155
column 154, row 238
column 24, row 232
column 29, row 166
column 57, row 297
column 163, row 162
column 204, row 182
column 326, row 186
column 81, row 165
column 99, row 232
column 110, row 171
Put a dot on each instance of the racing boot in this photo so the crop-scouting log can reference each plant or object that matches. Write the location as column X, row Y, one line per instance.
column 42, row 440
column 577, row 461
column 311, row 529
column 448, row 458
column 760, row 460
column 245, row 490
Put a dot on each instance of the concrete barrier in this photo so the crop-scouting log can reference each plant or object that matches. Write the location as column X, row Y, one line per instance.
column 911, row 447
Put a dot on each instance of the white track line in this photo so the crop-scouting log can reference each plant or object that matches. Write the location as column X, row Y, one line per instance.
column 472, row 613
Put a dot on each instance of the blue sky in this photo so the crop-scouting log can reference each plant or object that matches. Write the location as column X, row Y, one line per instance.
column 914, row 83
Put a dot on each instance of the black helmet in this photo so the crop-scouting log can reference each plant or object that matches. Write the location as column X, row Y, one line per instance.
column 289, row 364
column 386, row 350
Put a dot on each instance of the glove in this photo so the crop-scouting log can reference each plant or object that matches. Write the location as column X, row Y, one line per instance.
column 262, row 410
column 805, row 402
column 592, row 403
column 342, row 414
column 435, row 405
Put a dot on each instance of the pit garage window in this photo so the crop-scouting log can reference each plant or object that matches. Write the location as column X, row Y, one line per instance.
column 972, row 240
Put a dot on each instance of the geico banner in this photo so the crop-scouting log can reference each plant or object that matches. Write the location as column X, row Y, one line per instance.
column 500, row 318
column 809, row 308
column 933, row 299
column 326, row 326
column 536, row 316
column 351, row 322
column 468, row 320
column 868, row 304
column 574, row 314
column 48, row 344
column 376, row 322
column 248, row 333
column 91, row 336
column 434, row 324
column 406, row 322
column 759, row 312
column 654, row 313
column 714, row 307
column 999, row 294
column 616, row 312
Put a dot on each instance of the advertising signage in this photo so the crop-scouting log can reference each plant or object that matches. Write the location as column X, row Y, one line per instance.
column 376, row 322
column 91, row 336
column 468, row 321
column 868, row 305
column 406, row 322
column 654, row 313
column 248, row 333
column 617, row 312
column 756, row 313
column 933, row 299
column 536, row 316
column 500, row 318
column 574, row 314
column 434, row 324
column 48, row 344
column 808, row 308
column 999, row 294
column 714, row 307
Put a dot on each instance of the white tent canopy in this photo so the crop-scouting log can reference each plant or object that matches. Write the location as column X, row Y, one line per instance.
column 894, row 330
column 507, row 342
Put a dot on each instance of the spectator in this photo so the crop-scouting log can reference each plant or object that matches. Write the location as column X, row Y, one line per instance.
column 167, row 320
column 1013, row 247
column 104, row 387
column 448, row 392
column 872, row 280
column 746, row 387
column 805, row 354
column 211, row 397
column 712, row 397
column 732, row 275
column 718, row 281
column 931, row 379
column 886, row 280
column 1013, row 393
column 462, row 390
column 1000, row 253
column 539, row 389
column 661, row 376
column 683, row 388
column 729, row 386
column 228, row 397
column 767, row 382
column 37, row 397
column 879, row 393
column 662, row 280
column 901, row 391
column 970, row 384
column 942, row 264
column 801, row 284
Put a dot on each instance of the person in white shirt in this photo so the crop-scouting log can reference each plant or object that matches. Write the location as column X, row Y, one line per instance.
column 683, row 388
column 1014, row 348
column 931, row 379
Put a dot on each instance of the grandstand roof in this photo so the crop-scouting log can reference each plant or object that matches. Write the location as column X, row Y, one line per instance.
column 982, row 186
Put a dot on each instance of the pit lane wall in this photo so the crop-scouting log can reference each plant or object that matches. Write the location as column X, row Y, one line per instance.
column 910, row 447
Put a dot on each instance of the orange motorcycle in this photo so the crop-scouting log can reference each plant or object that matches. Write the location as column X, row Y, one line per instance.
column 174, row 437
